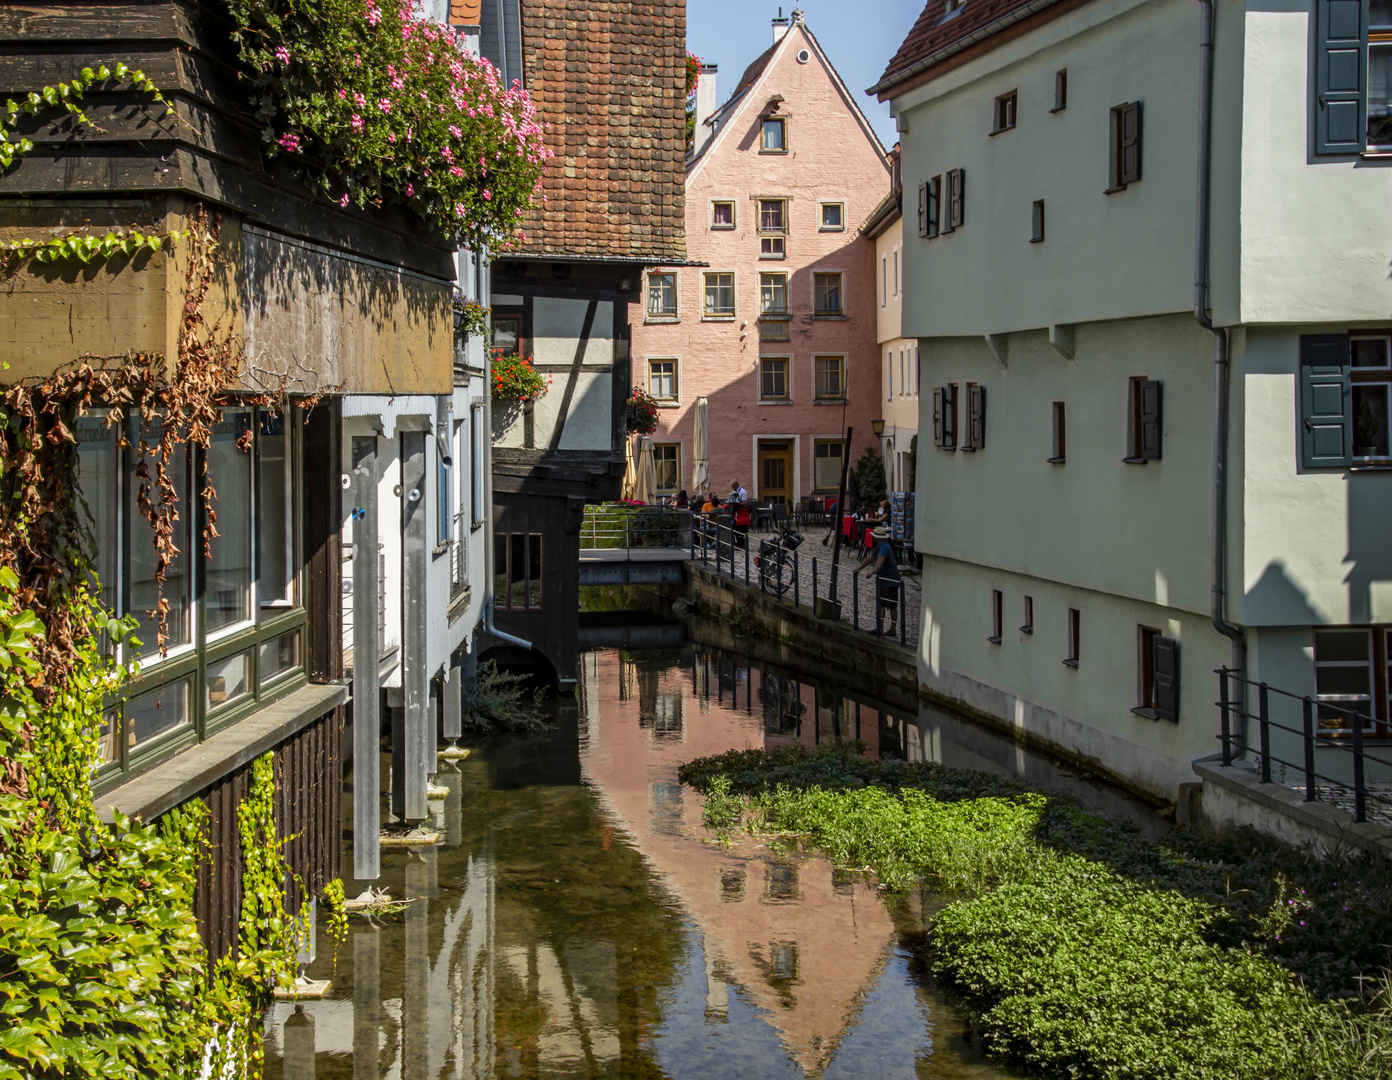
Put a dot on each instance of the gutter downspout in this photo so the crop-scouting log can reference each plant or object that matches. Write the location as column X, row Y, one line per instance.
column 488, row 593
column 1222, row 370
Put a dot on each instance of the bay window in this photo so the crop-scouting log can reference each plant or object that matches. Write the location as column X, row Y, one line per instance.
column 233, row 615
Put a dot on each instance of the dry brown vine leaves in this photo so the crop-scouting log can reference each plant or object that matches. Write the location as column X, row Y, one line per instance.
column 44, row 536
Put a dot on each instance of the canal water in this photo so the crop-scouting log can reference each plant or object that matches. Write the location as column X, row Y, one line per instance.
column 574, row 921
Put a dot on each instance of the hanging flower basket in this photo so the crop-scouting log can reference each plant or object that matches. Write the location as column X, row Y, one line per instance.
column 514, row 378
column 642, row 412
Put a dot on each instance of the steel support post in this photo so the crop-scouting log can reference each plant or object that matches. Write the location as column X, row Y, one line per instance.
column 367, row 648
column 415, row 675
column 1308, row 723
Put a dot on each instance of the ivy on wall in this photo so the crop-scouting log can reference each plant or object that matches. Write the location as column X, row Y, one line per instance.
column 379, row 106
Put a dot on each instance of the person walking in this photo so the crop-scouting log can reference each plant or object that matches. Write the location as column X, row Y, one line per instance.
column 737, row 493
column 887, row 580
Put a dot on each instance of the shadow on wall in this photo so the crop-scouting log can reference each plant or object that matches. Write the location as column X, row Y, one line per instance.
column 1369, row 556
column 1278, row 600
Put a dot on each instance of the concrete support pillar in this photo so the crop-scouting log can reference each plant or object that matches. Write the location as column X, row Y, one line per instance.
column 415, row 990
column 454, row 702
column 418, row 743
column 297, row 1046
column 367, row 647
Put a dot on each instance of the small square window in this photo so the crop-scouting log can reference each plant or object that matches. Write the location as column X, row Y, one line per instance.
column 830, row 378
column 774, row 139
column 662, row 380
column 772, row 247
column 827, row 294
column 719, row 294
column 662, row 296
column 773, row 378
column 1371, row 352
column 773, row 330
column 833, row 217
column 1006, row 106
column 722, row 214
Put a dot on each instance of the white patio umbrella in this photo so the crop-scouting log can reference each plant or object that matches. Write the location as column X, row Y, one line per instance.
column 630, row 473
column 645, row 487
column 700, row 473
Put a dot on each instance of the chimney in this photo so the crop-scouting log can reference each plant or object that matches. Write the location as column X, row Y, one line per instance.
column 780, row 27
column 705, row 108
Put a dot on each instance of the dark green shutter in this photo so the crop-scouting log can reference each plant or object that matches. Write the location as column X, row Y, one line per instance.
column 923, row 209
column 934, row 203
column 955, row 198
column 937, row 416
column 1326, row 402
column 1341, row 65
column 1152, row 431
column 1165, row 657
column 976, row 417
column 1129, row 148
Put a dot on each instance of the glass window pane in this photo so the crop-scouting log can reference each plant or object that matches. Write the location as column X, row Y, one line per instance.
column 507, row 330
column 773, row 331
column 773, row 135
column 534, row 570
column 1370, row 352
column 501, row 595
column 227, row 680
column 157, row 713
column 142, row 594
column 274, row 515
column 1341, row 645
column 1356, row 680
column 831, row 215
column 99, row 484
column 227, row 600
column 278, row 656
column 723, row 213
column 106, row 738
column 1379, row 93
column 1370, row 420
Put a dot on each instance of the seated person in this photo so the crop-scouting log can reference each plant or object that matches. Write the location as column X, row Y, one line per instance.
column 682, row 501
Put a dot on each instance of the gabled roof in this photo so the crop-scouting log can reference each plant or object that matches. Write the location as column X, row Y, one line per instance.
column 609, row 81
column 753, row 76
column 939, row 34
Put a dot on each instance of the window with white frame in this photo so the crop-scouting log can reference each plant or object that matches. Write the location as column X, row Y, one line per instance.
column 667, row 462
column 773, row 228
column 662, row 380
column 477, row 463
column 827, row 293
column 830, row 378
column 719, row 294
column 827, row 456
column 1353, row 666
column 662, row 295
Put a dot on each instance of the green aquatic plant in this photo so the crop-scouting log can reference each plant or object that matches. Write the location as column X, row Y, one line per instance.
column 1087, row 950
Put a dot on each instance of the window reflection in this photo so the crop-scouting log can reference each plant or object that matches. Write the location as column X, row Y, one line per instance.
column 99, row 484
column 228, row 596
column 157, row 713
column 227, row 680
column 143, row 595
column 274, row 541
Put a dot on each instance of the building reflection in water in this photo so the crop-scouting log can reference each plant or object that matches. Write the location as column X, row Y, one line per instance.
column 575, row 922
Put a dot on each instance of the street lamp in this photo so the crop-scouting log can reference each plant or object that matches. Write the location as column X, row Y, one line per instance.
column 877, row 426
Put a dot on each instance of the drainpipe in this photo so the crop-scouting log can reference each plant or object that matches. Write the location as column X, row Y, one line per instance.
column 1222, row 370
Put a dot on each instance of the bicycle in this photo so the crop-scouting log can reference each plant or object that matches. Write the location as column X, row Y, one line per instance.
column 775, row 561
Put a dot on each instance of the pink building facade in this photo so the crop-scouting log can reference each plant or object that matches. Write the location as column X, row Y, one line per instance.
column 777, row 330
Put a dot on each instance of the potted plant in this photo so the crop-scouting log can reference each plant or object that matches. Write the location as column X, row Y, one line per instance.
column 642, row 412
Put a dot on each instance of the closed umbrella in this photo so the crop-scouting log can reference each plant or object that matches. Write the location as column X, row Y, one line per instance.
column 700, row 473
column 630, row 473
column 645, row 487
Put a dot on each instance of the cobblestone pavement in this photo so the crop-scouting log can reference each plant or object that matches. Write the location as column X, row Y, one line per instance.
column 1377, row 799
column 857, row 597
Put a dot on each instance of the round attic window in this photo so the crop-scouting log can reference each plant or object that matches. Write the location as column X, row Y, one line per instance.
column 803, row 56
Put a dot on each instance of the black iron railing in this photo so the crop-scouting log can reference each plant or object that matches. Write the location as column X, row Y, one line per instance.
column 1323, row 726
column 774, row 564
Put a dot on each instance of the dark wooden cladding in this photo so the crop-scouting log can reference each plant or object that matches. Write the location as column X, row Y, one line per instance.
column 214, row 153
column 308, row 808
column 323, row 542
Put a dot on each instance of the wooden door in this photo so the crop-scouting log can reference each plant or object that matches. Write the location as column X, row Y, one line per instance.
column 776, row 471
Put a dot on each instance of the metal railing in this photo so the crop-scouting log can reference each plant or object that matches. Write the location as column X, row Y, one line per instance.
column 611, row 526
column 459, row 554
column 777, row 569
column 1315, row 732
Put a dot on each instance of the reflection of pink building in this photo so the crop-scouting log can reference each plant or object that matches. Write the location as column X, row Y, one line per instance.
column 797, row 939
column 778, row 331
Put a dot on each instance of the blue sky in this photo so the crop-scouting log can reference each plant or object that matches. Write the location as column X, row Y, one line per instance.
column 859, row 38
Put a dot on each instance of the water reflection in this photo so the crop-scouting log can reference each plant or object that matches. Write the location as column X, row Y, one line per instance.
column 573, row 921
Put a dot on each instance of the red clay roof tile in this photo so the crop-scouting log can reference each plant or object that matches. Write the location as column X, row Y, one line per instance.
column 936, row 29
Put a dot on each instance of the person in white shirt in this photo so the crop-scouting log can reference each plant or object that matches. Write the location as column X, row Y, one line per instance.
column 737, row 493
